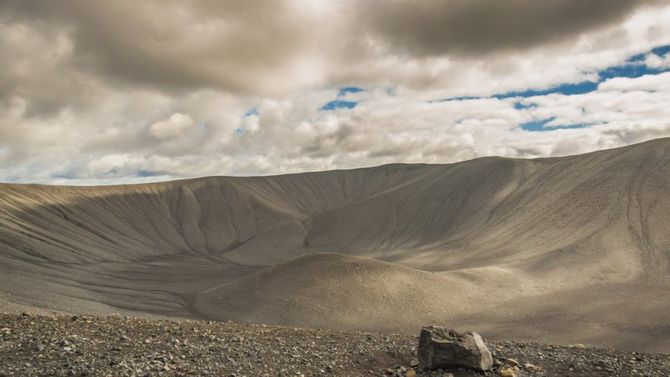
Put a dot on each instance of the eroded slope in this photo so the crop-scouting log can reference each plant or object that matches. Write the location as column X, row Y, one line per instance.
column 492, row 242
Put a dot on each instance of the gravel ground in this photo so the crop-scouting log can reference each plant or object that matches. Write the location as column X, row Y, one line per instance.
column 33, row 345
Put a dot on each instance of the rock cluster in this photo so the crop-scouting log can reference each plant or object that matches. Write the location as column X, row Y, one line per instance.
column 123, row 346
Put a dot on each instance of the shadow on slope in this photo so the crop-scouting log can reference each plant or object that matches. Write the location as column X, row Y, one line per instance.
column 491, row 230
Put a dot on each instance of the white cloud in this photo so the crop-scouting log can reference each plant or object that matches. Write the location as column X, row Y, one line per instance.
column 163, row 95
column 173, row 127
column 658, row 62
column 657, row 82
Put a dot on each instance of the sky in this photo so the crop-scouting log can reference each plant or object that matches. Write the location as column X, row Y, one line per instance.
column 124, row 91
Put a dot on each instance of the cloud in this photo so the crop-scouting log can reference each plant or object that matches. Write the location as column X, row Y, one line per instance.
column 659, row 82
column 172, row 127
column 275, row 47
column 658, row 62
column 238, row 46
column 481, row 27
column 124, row 91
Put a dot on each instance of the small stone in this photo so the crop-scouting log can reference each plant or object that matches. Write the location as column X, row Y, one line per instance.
column 414, row 363
column 513, row 362
column 529, row 366
column 508, row 372
column 410, row 373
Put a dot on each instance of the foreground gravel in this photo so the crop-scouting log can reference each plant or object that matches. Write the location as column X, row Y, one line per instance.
column 121, row 346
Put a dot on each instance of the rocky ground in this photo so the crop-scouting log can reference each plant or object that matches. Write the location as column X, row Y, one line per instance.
column 33, row 345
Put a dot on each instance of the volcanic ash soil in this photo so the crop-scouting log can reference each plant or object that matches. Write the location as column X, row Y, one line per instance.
column 38, row 345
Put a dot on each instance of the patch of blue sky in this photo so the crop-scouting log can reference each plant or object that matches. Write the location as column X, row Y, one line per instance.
column 543, row 125
column 239, row 130
column 524, row 106
column 639, row 58
column 113, row 172
column 630, row 70
column 338, row 104
column 459, row 98
column 251, row 112
column 633, row 67
column 564, row 89
column 661, row 50
column 348, row 90
column 65, row 174
column 146, row 173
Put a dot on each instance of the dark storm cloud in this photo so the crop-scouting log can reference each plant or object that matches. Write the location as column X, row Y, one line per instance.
column 226, row 44
column 266, row 46
column 475, row 27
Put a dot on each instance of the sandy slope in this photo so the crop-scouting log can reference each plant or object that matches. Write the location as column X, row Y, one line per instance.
column 331, row 290
column 566, row 249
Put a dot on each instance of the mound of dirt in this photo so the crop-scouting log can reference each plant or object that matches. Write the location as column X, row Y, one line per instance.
column 338, row 291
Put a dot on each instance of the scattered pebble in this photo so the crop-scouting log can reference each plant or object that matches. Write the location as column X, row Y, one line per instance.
column 34, row 345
